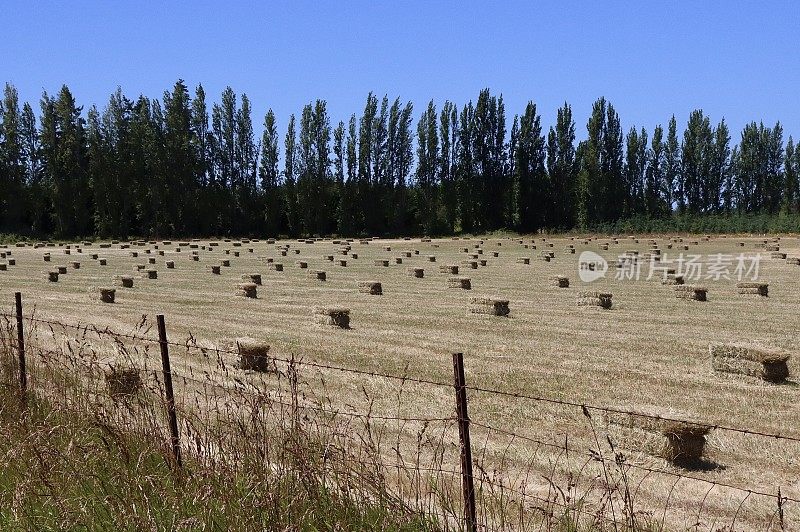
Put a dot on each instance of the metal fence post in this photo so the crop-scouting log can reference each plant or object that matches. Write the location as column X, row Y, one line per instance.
column 23, row 373
column 173, row 418
column 467, row 482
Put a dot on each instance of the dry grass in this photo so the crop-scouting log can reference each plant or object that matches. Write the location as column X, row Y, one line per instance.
column 651, row 349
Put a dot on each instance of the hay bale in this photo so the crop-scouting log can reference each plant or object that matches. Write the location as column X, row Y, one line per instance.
column 431, row 258
column 594, row 299
column 778, row 255
column 301, row 264
column 170, row 264
column 758, row 289
column 671, row 279
column 766, row 363
column 495, row 254
column 275, row 266
column 194, row 258
column 485, row 305
column 449, row 269
column 254, row 278
column 75, row 265
column 46, row 257
column 124, row 281
column 150, row 274
column 523, row 260
column 462, row 283
column 472, row 264
column 687, row 291
column 681, row 443
column 342, row 263
column 332, row 317
column 61, row 269
column 381, row 262
column 254, row 356
column 215, row 269
column 52, row 276
column 226, row 263
column 107, row 295
column 398, row 260
column 370, row 287
column 102, row 262
column 418, row 273
column 122, row 382
column 319, row 275
column 794, row 261
column 354, row 255
column 249, row 290
column 559, row 281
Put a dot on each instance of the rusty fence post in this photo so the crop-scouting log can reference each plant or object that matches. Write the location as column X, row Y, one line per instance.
column 467, row 481
column 23, row 372
column 175, row 442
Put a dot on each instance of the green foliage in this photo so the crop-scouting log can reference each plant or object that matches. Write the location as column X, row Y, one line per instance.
column 170, row 167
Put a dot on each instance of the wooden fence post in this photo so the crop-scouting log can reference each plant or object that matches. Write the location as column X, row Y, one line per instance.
column 173, row 418
column 23, row 373
column 467, row 482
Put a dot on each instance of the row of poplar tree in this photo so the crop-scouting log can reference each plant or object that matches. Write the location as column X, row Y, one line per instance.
column 174, row 166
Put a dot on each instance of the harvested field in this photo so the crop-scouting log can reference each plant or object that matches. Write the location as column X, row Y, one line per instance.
column 652, row 349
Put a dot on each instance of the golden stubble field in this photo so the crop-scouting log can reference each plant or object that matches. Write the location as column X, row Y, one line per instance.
column 649, row 351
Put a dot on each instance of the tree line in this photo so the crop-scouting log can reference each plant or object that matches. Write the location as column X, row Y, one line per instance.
column 177, row 166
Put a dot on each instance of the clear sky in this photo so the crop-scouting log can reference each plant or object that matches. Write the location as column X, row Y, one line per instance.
column 738, row 60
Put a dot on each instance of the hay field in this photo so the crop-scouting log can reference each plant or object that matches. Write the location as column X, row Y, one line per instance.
column 650, row 350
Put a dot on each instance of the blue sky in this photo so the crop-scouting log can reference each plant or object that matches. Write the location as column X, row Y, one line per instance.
column 740, row 60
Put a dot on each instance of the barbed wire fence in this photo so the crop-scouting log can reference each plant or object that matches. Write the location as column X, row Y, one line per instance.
column 202, row 406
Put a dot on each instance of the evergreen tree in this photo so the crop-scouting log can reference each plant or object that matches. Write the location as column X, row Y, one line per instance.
column 269, row 176
column 531, row 178
column 655, row 181
column 791, row 171
column 448, row 135
column 562, row 169
column 290, row 180
column 428, row 160
column 672, row 190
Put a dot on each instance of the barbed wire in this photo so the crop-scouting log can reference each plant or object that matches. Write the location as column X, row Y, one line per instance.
column 406, row 378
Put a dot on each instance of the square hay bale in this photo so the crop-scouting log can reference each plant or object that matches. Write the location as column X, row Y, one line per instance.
column 170, row 264
column 254, row 278
column 3, row 267
column 681, row 443
column 226, row 263
column 254, row 356
column 431, row 258
column 398, row 260
column 275, row 266
column 122, row 382
column 75, row 265
column 370, row 287
column 449, row 268
column 485, row 305
column 52, row 276
column 671, row 279
column 195, row 258
column 407, row 254
column 545, row 256
column 46, row 257
column 693, row 292
column 772, row 247
column 150, row 274
column 594, row 299
column 134, row 254
column 61, row 269
column 332, row 316
column 125, row 281
column 472, row 264
column 342, row 263
column 778, row 255
column 151, row 260
column 107, row 295
column 483, row 262
column 102, row 262
column 524, row 260
column 560, row 281
column 757, row 289
column 139, row 267
column 418, row 273
column 768, row 364
column 495, row 254
column 794, row 261
column 319, row 275
column 462, row 283
column 215, row 269
column 301, row 264
column 354, row 255
column 249, row 290
column 381, row 262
